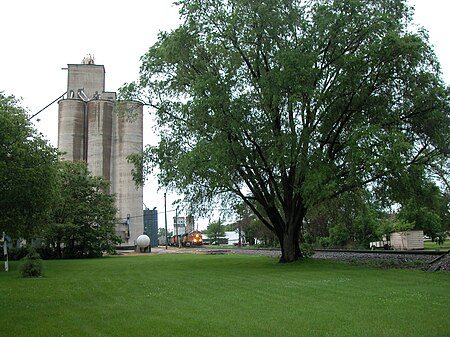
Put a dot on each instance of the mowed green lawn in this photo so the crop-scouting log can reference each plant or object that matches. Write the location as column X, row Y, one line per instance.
column 429, row 245
column 222, row 295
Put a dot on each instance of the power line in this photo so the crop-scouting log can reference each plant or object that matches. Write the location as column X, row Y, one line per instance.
column 37, row 113
column 141, row 216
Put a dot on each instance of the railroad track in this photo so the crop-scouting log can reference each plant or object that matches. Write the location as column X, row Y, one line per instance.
column 424, row 259
column 433, row 260
column 329, row 253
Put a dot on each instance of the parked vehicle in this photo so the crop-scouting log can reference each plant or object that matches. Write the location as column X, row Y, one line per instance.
column 384, row 244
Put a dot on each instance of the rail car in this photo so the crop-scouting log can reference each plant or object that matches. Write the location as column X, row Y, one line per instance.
column 193, row 238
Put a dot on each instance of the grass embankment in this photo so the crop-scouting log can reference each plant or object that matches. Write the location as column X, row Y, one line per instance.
column 222, row 295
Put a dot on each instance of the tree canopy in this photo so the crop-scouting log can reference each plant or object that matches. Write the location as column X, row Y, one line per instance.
column 286, row 104
column 27, row 172
column 83, row 216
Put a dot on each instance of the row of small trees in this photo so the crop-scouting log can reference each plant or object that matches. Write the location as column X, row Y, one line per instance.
column 352, row 220
column 55, row 205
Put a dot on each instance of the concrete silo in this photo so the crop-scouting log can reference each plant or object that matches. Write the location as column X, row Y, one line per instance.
column 100, row 124
column 128, row 139
column 90, row 128
column 72, row 128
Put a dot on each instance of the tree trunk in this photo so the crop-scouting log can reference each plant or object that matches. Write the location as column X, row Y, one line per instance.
column 58, row 250
column 290, row 247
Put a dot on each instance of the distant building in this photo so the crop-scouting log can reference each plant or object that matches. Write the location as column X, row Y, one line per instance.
column 233, row 237
column 94, row 127
column 151, row 225
column 179, row 225
column 230, row 238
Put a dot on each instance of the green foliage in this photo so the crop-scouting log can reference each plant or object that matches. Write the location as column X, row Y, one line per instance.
column 351, row 217
column 365, row 224
column 31, row 264
column 17, row 253
column 391, row 225
column 162, row 232
column 339, row 235
column 83, row 216
column 402, row 226
column 229, row 227
column 323, row 242
column 385, row 227
column 428, row 209
column 27, row 172
column 215, row 231
column 294, row 103
column 307, row 249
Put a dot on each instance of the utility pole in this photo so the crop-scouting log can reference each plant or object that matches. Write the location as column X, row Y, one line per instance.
column 218, row 232
column 165, row 218
column 5, row 251
column 240, row 232
column 176, row 226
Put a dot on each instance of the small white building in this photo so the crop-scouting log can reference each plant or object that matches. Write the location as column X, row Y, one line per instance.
column 233, row 237
column 407, row 240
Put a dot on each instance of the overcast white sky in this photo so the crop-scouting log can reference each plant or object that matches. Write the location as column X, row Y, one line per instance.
column 41, row 37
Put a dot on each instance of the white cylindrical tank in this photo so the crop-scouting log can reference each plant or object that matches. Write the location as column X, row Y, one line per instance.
column 128, row 139
column 99, row 137
column 71, row 129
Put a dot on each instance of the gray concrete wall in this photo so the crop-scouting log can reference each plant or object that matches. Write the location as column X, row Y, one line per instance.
column 71, row 129
column 89, row 77
column 128, row 139
column 99, row 137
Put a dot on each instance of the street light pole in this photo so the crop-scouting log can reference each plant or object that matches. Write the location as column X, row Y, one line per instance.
column 165, row 217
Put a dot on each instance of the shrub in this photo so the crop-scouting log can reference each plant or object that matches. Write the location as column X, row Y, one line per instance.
column 308, row 238
column 339, row 235
column 323, row 241
column 307, row 249
column 32, row 264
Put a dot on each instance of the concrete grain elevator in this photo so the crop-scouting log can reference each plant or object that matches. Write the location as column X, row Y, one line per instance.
column 91, row 129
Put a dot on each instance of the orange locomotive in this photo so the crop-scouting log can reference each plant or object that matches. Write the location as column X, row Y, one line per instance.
column 193, row 238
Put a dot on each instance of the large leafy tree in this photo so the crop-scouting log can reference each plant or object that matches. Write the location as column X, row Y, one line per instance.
column 83, row 218
column 285, row 104
column 27, row 172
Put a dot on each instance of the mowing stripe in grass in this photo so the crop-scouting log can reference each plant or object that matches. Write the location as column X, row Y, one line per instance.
column 222, row 295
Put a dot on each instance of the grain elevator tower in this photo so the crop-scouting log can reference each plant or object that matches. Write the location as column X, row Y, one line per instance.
column 90, row 129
